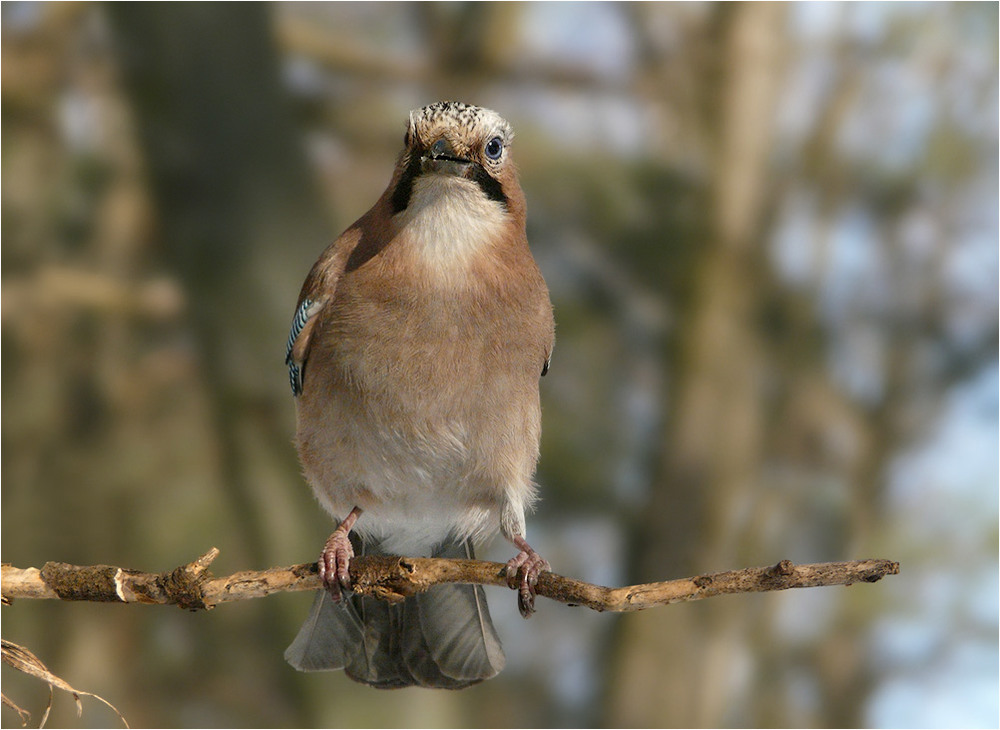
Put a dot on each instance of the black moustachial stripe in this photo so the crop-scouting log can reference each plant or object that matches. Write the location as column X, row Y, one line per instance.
column 404, row 188
column 490, row 186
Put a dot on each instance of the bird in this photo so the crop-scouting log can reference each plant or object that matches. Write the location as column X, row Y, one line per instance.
column 414, row 357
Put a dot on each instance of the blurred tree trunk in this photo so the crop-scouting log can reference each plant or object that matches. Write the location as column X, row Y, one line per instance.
column 714, row 422
column 230, row 185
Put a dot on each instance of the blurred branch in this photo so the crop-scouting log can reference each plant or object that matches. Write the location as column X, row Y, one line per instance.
column 351, row 58
column 57, row 287
column 392, row 578
column 305, row 38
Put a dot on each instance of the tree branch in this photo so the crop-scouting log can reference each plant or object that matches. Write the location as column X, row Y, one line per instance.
column 392, row 578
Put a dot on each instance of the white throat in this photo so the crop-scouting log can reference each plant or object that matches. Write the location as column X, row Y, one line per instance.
column 448, row 220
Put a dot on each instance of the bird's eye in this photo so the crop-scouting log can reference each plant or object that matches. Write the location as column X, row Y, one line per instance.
column 494, row 148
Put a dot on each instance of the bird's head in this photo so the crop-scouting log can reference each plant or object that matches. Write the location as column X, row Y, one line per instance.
column 450, row 141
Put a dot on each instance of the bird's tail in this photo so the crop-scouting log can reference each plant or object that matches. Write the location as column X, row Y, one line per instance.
column 442, row 638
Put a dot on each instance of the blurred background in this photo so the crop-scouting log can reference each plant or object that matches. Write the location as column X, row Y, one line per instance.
column 771, row 237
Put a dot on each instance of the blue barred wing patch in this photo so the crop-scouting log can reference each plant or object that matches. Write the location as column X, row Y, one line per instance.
column 302, row 315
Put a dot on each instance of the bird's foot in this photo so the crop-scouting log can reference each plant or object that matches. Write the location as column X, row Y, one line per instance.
column 522, row 575
column 335, row 560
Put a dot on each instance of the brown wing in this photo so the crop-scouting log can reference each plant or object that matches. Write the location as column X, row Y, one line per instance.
column 317, row 291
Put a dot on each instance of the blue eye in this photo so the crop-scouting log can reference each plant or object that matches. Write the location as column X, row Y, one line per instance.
column 494, row 148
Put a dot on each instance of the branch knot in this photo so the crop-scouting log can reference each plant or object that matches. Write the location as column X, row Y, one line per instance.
column 185, row 585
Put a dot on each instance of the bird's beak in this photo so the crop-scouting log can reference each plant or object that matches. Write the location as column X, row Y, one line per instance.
column 442, row 158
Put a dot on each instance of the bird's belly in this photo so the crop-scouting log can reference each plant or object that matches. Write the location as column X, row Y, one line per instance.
column 421, row 460
column 416, row 483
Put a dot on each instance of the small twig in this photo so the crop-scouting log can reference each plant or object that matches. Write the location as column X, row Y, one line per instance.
column 393, row 578
column 24, row 661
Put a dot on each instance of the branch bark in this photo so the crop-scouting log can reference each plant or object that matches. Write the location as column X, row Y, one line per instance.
column 392, row 578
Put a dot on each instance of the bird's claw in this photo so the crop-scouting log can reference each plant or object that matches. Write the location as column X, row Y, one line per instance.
column 334, row 564
column 522, row 575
